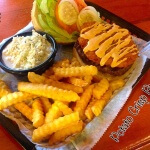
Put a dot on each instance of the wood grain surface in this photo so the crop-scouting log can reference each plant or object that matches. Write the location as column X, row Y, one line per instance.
column 15, row 14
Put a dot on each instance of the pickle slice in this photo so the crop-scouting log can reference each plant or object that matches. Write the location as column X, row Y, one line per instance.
column 68, row 12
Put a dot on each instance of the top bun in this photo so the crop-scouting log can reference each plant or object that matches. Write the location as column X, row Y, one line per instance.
column 34, row 16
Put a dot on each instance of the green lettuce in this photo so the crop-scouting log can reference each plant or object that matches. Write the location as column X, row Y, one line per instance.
column 48, row 22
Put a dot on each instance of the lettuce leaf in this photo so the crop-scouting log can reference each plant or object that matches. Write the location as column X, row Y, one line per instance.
column 48, row 22
column 43, row 6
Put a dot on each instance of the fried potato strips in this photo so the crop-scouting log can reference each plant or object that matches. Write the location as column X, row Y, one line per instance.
column 48, row 91
column 4, row 89
column 35, row 78
column 77, row 82
column 65, row 132
column 64, row 98
column 13, row 98
column 58, row 124
column 65, row 86
column 38, row 113
column 46, row 104
column 64, row 108
column 100, row 88
column 100, row 103
column 53, row 113
column 84, row 100
column 116, row 84
column 88, row 112
column 25, row 110
column 76, row 71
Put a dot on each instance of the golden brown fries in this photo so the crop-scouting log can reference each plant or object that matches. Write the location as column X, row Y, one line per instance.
column 62, row 64
column 63, row 108
column 98, row 106
column 13, row 98
column 4, row 89
column 25, row 110
column 74, row 62
column 46, row 104
column 77, row 82
column 64, row 86
column 100, row 88
column 38, row 113
column 76, row 71
column 53, row 113
column 35, row 78
column 65, row 132
column 48, row 91
column 84, row 100
column 47, row 129
column 88, row 112
column 116, row 84
column 64, row 98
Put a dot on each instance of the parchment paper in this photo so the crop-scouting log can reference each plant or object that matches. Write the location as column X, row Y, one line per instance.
column 97, row 127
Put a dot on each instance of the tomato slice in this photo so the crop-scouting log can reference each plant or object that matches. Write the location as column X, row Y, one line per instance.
column 69, row 28
column 81, row 4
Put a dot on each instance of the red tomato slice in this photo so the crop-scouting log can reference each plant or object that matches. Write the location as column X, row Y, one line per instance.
column 81, row 4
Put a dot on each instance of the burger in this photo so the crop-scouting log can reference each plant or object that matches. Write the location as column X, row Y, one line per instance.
column 107, row 46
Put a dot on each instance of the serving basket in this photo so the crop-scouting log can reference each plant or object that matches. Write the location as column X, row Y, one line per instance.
column 107, row 16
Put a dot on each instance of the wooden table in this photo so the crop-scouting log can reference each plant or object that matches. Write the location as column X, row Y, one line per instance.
column 16, row 14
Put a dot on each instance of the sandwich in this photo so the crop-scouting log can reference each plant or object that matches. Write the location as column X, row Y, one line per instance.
column 107, row 46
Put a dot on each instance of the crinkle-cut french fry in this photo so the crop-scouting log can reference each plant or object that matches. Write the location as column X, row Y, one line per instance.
column 88, row 79
column 48, row 91
column 38, row 114
column 100, row 88
column 76, row 71
column 63, row 108
column 97, row 109
column 62, row 134
column 88, row 112
column 13, row 98
column 48, row 72
column 35, row 78
column 77, row 82
column 74, row 62
column 53, row 113
column 49, row 128
column 64, row 86
column 100, row 103
column 63, row 63
column 4, row 89
column 54, row 77
column 116, row 84
column 25, row 110
column 46, row 104
column 84, row 100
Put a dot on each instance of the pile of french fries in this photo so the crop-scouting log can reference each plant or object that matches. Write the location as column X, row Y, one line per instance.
column 64, row 98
